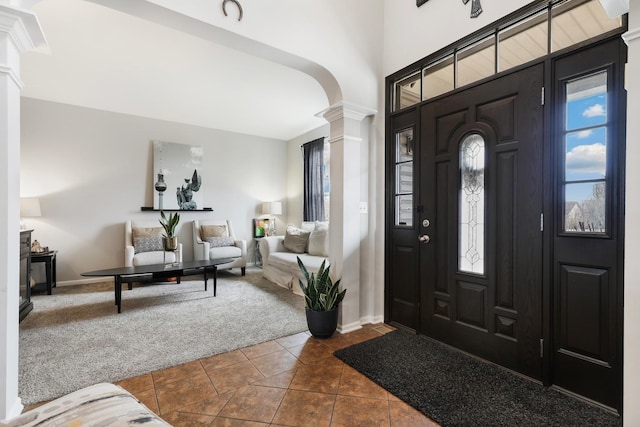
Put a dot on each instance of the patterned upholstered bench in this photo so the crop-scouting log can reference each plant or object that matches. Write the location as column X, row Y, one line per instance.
column 97, row 405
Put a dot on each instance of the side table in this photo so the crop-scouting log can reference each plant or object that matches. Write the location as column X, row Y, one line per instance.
column 49, row 259
column 256, row 254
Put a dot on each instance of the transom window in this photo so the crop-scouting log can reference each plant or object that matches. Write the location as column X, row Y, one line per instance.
column 547, row 29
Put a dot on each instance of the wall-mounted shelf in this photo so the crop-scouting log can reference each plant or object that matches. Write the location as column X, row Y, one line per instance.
column 151, row 209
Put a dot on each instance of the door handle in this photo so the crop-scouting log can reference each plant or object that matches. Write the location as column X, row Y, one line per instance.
column 424, row 238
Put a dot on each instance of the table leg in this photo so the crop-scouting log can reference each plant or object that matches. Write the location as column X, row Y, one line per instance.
column 118, row 290
column 215, row 279
column 205, row 279
column 54, row 283
column 47, row 271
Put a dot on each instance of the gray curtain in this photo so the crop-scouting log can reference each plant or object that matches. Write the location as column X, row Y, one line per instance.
column 313, row 153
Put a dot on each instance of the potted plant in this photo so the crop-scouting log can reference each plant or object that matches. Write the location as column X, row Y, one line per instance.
column 322, row 297
column 169, row 225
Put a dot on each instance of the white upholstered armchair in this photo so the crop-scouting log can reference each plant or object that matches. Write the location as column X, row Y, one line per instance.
column 143, row 244
column 215, row 239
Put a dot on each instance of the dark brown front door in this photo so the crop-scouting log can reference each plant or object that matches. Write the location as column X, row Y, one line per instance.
column 481, row 192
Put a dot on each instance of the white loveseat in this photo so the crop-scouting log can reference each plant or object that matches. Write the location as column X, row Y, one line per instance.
column 280, row 264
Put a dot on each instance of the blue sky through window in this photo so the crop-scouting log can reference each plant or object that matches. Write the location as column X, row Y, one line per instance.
column 586, row 146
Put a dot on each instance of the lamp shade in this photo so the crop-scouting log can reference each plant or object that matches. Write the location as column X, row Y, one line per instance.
column 30, row 207
column 272, row 208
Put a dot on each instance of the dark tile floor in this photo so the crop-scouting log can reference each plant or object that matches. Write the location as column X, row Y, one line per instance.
column 291, row 381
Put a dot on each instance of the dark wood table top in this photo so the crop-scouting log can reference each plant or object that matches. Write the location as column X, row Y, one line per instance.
column 157, row 268
column 43, row 254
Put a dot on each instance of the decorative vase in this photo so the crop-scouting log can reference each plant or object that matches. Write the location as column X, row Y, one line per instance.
column 170, row 243
column 322, row 324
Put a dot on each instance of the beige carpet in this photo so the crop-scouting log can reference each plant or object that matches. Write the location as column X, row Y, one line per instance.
column 75, row 337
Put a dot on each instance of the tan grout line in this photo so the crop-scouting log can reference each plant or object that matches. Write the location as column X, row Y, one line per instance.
column 209, row 377
column 155, row 392
column 233, row 393
column 279, row 405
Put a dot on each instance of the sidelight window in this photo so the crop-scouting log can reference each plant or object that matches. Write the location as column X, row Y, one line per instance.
column 472, row 199
column 404, row 178
column 585, row 154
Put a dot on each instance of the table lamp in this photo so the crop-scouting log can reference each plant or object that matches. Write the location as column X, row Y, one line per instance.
column 271, row 209
column 29, row 207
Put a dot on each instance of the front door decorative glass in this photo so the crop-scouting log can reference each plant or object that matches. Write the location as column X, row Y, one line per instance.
column 471, row 225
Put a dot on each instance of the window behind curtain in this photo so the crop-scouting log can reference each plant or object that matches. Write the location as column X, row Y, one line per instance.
column 313, row 153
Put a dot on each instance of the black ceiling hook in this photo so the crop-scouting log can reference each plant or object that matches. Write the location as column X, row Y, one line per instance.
column 224, row 8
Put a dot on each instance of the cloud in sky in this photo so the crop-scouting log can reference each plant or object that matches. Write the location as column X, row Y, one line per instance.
column 585, row 133
column 587, row 159
column 594, row 111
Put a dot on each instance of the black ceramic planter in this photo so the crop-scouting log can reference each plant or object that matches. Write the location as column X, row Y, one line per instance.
column 322, row 324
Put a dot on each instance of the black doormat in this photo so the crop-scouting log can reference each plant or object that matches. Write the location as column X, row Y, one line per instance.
column 455, row 389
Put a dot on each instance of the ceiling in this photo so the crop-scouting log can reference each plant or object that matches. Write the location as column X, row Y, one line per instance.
column 104, row 59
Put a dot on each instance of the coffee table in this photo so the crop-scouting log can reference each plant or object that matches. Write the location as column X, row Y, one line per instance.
column 144, row 273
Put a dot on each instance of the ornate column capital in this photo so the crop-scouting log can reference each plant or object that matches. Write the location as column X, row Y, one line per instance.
column 346, row 110
column 23, row 28
column 631, row 35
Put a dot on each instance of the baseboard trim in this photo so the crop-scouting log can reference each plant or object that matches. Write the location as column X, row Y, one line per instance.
column 371, row 320
column 353, row 326
column 15, row 410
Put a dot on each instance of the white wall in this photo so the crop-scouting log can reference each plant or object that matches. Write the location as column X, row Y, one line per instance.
column 93, row 170
column 341, row 36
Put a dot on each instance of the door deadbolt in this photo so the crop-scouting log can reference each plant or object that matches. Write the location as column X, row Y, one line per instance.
column 424, row 238
column 426, row 223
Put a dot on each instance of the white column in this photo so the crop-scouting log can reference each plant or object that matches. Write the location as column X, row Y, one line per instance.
column 344, row 232
column 19, row 32
column 631, row 368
